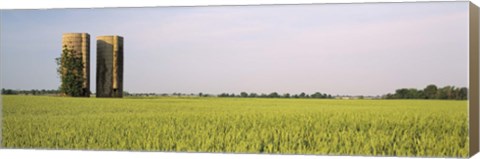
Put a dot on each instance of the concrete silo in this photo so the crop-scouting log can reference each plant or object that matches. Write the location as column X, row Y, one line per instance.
column 80, row 43
column 109, row 66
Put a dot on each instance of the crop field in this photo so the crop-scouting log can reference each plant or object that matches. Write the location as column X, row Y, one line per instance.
column 437, row 128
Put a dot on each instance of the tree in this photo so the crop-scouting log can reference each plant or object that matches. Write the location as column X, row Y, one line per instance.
column 445, row 92
column 273, row 95
column 8, row 91
column 324, row 95
column 430, row 91
column 302, row 95
column 389, row 96
column 316, row 95
column 70, row 70
column 263, row 95
column 223, row 95
column 420, row 95
column 125, row 93
column 462, row 93
column 401, row 93
column 414, row 94
column 244, row 94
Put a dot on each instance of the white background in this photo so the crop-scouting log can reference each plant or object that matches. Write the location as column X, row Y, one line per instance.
column 45, row 4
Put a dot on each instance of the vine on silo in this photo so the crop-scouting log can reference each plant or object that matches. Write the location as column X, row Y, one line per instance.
column 70, row 70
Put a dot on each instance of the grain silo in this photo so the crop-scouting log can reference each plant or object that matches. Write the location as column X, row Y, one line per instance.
column 109, row 66
column 80, row 43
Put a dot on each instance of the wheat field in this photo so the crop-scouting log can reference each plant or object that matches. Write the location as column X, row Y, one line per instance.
column 435, row 128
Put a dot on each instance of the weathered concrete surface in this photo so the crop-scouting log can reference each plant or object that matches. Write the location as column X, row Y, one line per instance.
column 109, row 66
column 80, row 43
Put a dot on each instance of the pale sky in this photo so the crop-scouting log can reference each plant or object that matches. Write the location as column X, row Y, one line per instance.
column 351, row 49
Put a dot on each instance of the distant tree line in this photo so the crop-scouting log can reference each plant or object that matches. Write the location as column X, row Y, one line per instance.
column 430, row 92
column 30, row 92
column 277, row 95
column 166, row 94
column 241, row 95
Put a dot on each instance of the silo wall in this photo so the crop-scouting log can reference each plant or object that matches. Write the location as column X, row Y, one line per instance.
column 109, row 66
column 80, row 43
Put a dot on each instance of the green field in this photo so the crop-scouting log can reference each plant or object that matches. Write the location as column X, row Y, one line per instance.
column 243, row 125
